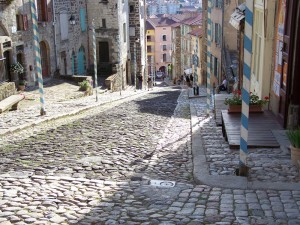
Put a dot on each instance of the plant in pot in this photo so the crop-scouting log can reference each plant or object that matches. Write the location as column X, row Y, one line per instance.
column 294, row 137
column 86, row 87
column 255, row 104
column 19, row 70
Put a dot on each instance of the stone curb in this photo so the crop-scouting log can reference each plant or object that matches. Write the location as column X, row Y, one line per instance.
column 73, row 113
column 201, row 171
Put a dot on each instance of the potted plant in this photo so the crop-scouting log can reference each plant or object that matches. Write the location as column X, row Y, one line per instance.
column 235, row 103
column 294, row 137
column 22, row 84
column 19, row 70
column 86, row 87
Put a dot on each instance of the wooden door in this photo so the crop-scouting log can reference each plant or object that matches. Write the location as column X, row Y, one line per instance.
column 81, row 61
column 44, row 59
column 285, row 46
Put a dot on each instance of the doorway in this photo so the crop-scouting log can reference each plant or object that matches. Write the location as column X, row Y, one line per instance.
column 44, row 59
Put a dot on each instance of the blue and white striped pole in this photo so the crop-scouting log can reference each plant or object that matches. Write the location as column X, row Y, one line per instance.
column 95, row 59
column 37, row 54
column 246, row 87
column 208, row 54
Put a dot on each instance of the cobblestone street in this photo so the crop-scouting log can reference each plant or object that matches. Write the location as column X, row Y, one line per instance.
column 95, row 167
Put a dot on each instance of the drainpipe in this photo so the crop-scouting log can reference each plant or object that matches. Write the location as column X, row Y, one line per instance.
column 54, row 33
column 222, row 46
column 88, row 35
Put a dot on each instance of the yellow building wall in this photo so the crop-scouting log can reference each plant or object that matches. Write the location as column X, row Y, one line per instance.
column 263, row 42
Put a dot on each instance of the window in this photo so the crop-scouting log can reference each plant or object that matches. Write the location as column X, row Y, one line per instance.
column 258, row 39
column 164, row 48
column 148, row 48
column 103, row 52
column 124, row 32
column 42, row 10
column 22, row 22
column 82, row 19
column 217, row 33
column 164, row 37
column 103, row 23
column 132, row 31
column 131, row 8
column 216, row 67
column 148, row 38
column 64, row 26
column 164, row 57
column 164, row 28
column 218, row 3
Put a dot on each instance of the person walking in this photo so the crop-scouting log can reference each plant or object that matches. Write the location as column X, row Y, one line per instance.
column 140, row 78
column 188, row 82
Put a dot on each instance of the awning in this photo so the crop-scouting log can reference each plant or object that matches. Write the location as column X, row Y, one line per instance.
column 237, row 16
column 188, row 71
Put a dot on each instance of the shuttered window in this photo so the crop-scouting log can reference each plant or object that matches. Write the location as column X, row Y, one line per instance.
column 64, row 26
column 42, row 10
column 82, row 19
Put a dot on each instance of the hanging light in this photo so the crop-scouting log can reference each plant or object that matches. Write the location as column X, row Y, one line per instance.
column 72, row 20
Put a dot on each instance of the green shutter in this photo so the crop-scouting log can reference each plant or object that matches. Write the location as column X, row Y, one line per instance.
column 82, row 19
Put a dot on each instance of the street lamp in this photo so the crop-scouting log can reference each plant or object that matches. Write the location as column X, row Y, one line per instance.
column 72, row 20
column 135, row 62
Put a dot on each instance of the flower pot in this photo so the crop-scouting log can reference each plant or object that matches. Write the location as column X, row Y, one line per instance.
column 295, row 156
column 21, row 87
column 238, row 108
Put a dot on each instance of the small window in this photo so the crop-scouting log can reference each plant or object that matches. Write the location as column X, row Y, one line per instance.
column 124, row 31
column 164, row 57
column 148, row 38
column 164, row 48
column 19, row 20
column 164, row 37
column 131, row 8
column 82, row 19
column 42, row 10
column 104, row 23
column 148, row 48
column 164, row 28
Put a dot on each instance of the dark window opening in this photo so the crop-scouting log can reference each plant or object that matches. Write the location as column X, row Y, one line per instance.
column 103, row 52
column 131, row 8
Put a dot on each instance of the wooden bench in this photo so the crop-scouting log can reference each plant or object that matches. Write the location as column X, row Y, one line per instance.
column 11, row 102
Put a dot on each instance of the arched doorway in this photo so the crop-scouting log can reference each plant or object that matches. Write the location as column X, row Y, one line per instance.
column 162, row 69
column 44, row 59
column 81, row 61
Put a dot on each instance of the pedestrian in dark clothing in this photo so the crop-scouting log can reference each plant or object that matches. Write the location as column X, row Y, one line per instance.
column 191, row 78
column 187, row 79
column 140, row 78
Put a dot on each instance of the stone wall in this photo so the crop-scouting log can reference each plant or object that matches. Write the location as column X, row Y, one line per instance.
column 7, row 89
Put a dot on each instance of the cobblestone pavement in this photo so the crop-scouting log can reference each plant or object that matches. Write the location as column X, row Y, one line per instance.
column 266, row 164
column 61, row 99
column 94, row 168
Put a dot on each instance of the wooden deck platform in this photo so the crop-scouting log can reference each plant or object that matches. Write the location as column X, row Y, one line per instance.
column 260, row 129
column 219, row 106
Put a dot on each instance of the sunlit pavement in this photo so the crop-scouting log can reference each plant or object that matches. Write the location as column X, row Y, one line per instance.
column 96, row 167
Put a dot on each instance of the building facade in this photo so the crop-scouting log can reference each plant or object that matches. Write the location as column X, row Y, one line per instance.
column 163, row 42
column 196, row 43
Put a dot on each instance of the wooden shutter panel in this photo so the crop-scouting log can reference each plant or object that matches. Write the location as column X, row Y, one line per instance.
column 25, row 22
column 49, row 13
column 44, row 11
